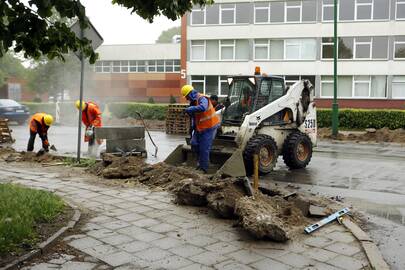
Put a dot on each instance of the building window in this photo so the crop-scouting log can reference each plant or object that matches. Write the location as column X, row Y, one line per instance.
column 378, row 86
column 261, row 49
column 363, row 9
column 212, row 49
column 309, row 11
column 227, row 13
column 227, row 49
column 380, row 48
column 198, row 83
column 198, row 50
column 243, row 13
column 327, row 48
column 344, row 86
column 197, row 16
column 242, row 49
column 362, row 47
column 168, row 65
column 345, row 48
column 399, row 48
column 277, row 12
column 224, row 87
column 293, row 11
column 160, row 66
column 176, row 66
column 327, row 10
column 346, row 10
column 132, row 66
column 151, row 66
column 381, row 9
column 116, row 67
column 124, row 66
column 141, row 66
column 211, row 85
column 262, row 12
column 99, row 66
column 212, row 14
column 276, row 49
column 361, row 86
column 106, row 66
column 400, row 10
column 398, row 87
column 300, row 49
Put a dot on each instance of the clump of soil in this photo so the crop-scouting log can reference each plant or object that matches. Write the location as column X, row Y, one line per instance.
column 369, row 135
column 8, row 154
column 270, row 217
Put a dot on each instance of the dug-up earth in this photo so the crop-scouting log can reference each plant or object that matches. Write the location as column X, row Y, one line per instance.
column 8, row 154
column 368, row 135
column 269, row 214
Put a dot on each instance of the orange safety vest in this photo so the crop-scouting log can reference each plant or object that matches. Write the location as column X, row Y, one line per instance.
column 37, row 123
column 91, row 116
column 206, row 119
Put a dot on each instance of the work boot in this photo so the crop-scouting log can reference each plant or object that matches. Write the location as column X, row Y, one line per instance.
column 201, row 170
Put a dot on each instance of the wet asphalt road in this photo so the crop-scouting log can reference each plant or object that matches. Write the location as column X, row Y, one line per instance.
column 369, row 177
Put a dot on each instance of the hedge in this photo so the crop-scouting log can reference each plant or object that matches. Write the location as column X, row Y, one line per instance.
column 148, row 111
column 360, row 119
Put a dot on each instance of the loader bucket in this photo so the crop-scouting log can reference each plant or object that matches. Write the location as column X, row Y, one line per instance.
column 227, row 162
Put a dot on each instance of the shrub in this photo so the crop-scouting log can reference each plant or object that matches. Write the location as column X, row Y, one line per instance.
column 151, row 100
column 37, row 99
column 40, row 107
column 360, row 118
column 148, row 111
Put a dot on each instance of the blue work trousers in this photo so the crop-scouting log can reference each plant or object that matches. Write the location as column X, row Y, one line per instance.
column 201, row 143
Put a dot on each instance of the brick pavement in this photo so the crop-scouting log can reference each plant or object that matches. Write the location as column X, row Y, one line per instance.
column 135, row 228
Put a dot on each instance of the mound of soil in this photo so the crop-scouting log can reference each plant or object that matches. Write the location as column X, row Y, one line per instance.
column 369, row 135
column 8, row 154
column 271, row 218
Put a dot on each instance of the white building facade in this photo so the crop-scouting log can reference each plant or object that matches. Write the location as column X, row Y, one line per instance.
column 294, row 39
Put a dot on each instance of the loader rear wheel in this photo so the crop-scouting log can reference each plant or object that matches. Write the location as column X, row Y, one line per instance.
column 297, row 150
column 266, row 148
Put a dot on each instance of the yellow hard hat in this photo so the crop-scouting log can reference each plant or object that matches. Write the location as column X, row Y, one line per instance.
column 186, row 89
column 48, row 119
column 78, row 104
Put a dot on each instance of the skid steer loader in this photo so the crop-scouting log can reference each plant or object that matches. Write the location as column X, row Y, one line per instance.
column 263, row 117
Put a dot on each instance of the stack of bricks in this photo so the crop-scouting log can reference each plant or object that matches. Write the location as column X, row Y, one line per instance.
column 177, row 122
column 5, row 132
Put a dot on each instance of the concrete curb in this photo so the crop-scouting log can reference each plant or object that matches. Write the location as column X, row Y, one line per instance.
column 374, row 256
column 42, row 247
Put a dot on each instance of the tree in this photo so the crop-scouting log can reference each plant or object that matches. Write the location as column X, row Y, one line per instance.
column 28, row 28
column 10, row 66
column 167, row 35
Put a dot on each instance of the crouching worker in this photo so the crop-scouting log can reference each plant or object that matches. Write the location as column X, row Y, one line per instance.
column 204, row 124
column 39, row 124
column 91, row 118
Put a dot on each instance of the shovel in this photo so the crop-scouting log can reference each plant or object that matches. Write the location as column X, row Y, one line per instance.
column 53, row 148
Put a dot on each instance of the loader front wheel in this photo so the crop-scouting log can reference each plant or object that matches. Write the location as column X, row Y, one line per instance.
column 266, row 148
column 297, row 150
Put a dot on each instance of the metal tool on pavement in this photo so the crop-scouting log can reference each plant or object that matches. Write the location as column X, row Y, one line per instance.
column 53, row 148
column 147, row 131
column 326, row 220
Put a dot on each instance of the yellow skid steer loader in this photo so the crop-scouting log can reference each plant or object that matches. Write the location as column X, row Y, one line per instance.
column 263, row 117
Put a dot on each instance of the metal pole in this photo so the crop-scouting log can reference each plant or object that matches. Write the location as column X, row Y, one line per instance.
column 335, row 106
column 81, row 99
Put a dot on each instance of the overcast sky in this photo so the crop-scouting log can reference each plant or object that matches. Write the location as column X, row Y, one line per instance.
column 118, row 26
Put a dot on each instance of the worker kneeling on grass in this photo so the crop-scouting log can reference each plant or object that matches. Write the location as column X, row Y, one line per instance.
column 39, row 124
column 91, row 118
column 204, row 124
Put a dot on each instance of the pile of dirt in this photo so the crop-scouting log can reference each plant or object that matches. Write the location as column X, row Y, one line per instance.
column 271, row 217
column 268, row 217
column 9, row 154
column 368, row 135
column 150, row 124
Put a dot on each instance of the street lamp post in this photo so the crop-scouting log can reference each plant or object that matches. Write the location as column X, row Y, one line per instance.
column 335, row 106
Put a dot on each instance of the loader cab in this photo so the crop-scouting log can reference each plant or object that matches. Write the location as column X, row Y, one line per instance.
column 248, row 94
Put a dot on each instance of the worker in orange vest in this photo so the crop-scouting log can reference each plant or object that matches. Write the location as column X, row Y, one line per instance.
column 91, row 118
column 204, row 124
column 39, row 124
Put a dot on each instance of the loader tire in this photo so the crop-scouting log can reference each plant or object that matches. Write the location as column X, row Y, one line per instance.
column 297, row 150
column 266, row 148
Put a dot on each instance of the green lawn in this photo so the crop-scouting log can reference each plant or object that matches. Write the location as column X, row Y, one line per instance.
column 20, row 210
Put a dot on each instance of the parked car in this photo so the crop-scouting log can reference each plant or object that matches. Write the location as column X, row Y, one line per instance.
column 13, row 111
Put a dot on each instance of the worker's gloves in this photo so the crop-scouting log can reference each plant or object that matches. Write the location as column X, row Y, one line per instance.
column 188, row 111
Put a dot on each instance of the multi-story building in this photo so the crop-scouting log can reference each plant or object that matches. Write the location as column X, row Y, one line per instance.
column 137, row 72
column 294, row 39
